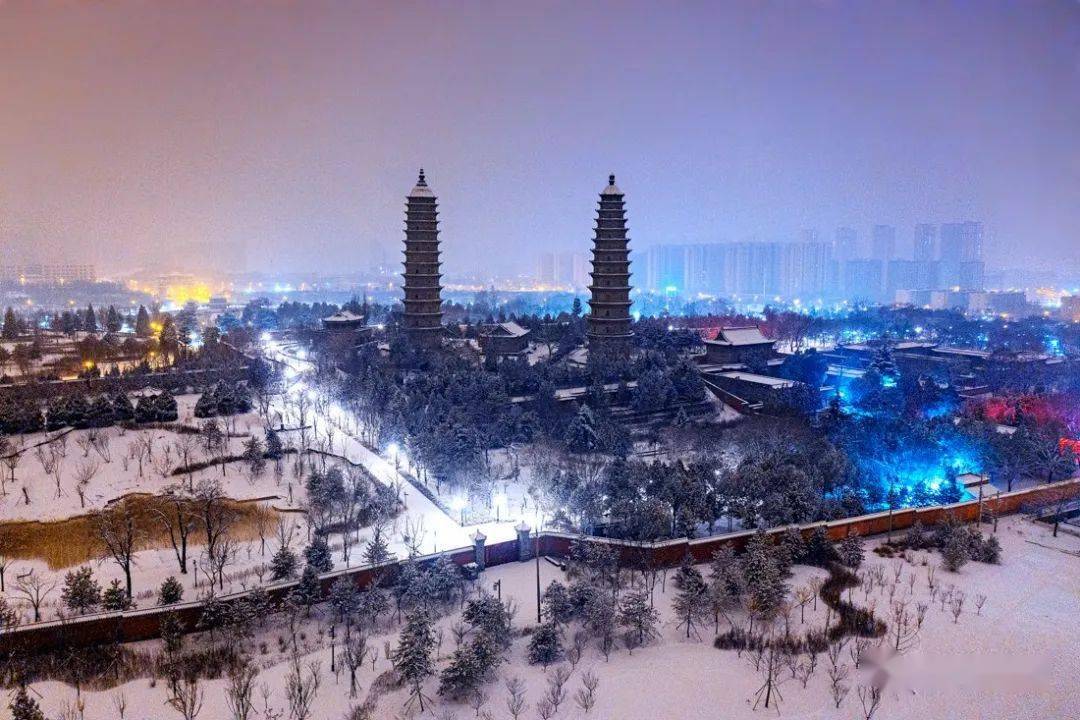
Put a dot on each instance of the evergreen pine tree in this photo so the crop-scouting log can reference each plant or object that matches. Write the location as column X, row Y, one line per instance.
column 274, row 449
column 377, row 551
column 556, row 604
column 115, row 597
column 638, row 616
column 171, row 591
column 24, row 707
column 317, row 554
column 142, row 323
column 283, row 564
column 172, row 633
column 12, row 327
column 819, row 551
column 81, row 592
column 851, row 551
column 991, row 551
column 412, row 659
column 308, row 591
column 691, row 602
column 761, row 572
column 955, row 551
column 90, row 323
column 545, row 646
column 725, row 576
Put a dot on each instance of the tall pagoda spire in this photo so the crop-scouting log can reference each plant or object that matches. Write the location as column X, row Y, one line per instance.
column 423, row 291
column 609, row 317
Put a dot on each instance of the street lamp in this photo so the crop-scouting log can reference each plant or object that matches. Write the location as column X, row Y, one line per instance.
column 500, row 501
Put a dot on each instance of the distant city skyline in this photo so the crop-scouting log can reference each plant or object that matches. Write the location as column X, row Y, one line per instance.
column 257, row 137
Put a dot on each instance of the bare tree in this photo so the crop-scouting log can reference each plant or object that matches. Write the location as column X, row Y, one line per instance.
column 806, row 668
column 186, row 697
column 477, row 700
column 101, row 441
column 215, row 512
column 175, row 510
column 904, row 628
column 5, row 560
column 84, row 474
column 356, row 650
column 301, row 690
column 515, row 698
column 585, row 697
column 35, row 588
column 870, row 699
column 770, row 667
column 119, row 701
column 118, row 530
column 239, row 693
column 556, row 681
column 137, row 452
column 224, row 554
column 545, row 710
column 956, row 605
column 185, row 446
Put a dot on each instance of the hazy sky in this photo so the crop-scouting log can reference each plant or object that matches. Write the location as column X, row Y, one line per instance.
column 284, row 135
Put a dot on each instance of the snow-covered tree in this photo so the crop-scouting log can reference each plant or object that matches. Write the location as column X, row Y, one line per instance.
column 638, row 616
column 81, row 592
column 171, row 591
column 851, row 551
column 764, row 580
column 412, row 659
column 691, row 602
column 317, row 554
column 545, row 645
column 283, row 564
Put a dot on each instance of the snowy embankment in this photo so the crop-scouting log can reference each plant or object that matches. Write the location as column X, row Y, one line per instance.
column 1013, row 658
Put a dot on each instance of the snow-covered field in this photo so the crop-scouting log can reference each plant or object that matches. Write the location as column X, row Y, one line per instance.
column 1016, row 658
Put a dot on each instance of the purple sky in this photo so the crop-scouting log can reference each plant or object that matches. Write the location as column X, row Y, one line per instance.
column 284, row 135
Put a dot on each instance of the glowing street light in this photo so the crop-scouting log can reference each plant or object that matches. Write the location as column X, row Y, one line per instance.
column 458, row 503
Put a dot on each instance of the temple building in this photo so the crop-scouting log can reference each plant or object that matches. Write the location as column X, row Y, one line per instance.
column 609, row 317
column 502, row 341
column 423, row 291
column 742, row 345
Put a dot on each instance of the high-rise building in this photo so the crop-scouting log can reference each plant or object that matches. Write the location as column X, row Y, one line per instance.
column 961, row 243
column 863, row 280
column 925, row 243
column 609, row 316
column 566, row 269
column 423, row 276
column 846, row 244
column 666, row 268
column 883, row 243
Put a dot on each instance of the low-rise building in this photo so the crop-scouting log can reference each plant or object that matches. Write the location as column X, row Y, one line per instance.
column 744, row 345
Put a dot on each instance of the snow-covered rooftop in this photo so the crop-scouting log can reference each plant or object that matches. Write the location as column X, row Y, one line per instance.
column 507, row 329
column 343, row 316
column 772, row 382
column 743, row 335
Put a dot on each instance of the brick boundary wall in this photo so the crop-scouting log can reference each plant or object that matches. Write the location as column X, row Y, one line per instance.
column 137, row 625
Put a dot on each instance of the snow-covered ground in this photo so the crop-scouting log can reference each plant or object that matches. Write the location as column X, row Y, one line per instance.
column 1016, row 658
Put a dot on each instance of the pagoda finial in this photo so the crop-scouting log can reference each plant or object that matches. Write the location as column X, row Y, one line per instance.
column 610, row 178
column 423, row 183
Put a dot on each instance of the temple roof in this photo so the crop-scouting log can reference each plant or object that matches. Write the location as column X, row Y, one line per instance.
column 744, row 335
column 421, row 188
column 506, row 329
